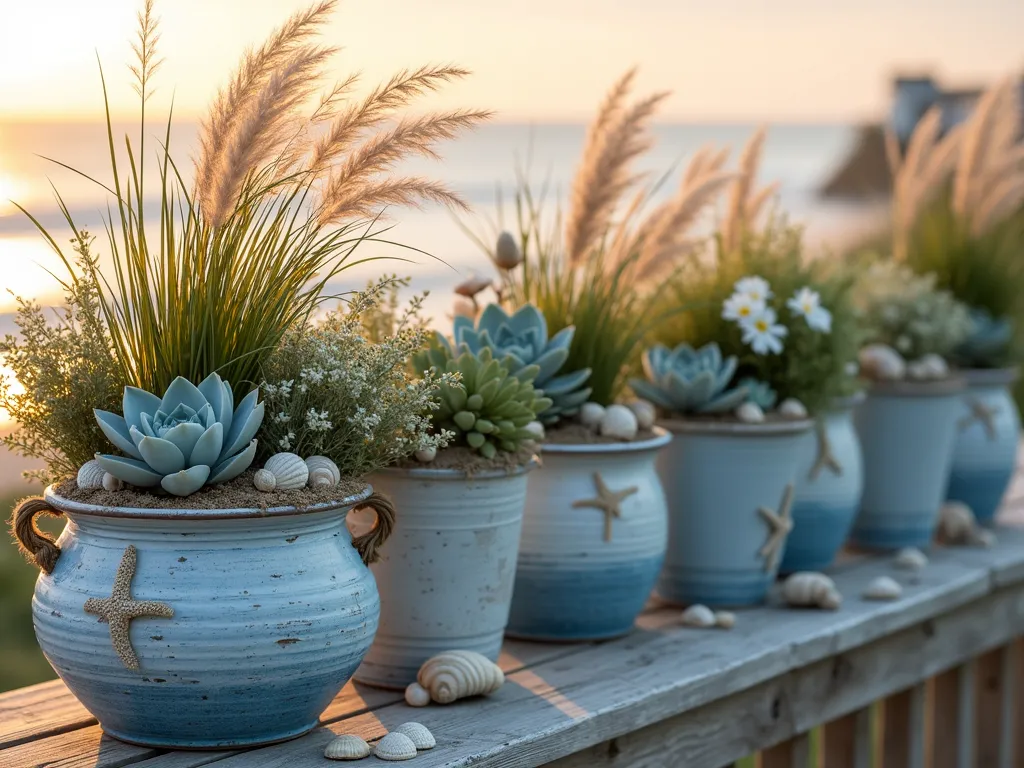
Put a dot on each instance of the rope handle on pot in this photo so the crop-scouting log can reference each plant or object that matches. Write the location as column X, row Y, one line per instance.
column 35, row 544
column 368, row 544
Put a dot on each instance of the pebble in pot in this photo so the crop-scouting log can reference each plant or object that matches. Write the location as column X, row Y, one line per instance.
column 882, row 363
column 619, row 421
column 591, row 415
column 791, row 408
column 644, row 412
column 750, row 413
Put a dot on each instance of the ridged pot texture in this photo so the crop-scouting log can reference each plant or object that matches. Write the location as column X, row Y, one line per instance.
column 272, row 615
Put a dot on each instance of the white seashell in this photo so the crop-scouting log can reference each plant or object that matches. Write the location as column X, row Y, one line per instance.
column 395, row 746
column 322, row 471
column 910, row 559
column 90, row 476
column 426, row 455
column 111, row 483
column 883, row 588
column 347, row 747
column 936, row 365
column 918, row 371
column 506, row 252
column 750, row 413
column 264, row 480
column 416, row 695
column 618, row 421
column 591, row 415
column 420, row 735
column 725, row 619
column 536, row 429
column 459, row 674
column 644, row 411
column 792, row 408
column 957, row 525
column 882, row 363
column 698, row 616
column 290, row 471
column 811, row 589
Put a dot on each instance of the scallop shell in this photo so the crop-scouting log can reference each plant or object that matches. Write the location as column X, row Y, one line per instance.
column 416, row 695
column 698, row 616
column 618, row 421
column 290, row 471
column 420, row 735
column 348, row 746
column 883, row 588
column 264, row 480
column 426, row 455
column 644, row 412
column 395, row 746
column 811, row 589
column 459, row 674
column 111, row 483
column 90, row 476
column 322, row 471
column 750, row 413
column 591, row 415
column 725, row 619
column 910, row 559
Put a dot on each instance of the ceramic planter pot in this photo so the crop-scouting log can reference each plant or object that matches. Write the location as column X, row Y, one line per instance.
column 829, row 484
column 907, row 430
column 985, row 450
column 254, row 620
column 594, row 536
column 730, row 489
column 446, row 579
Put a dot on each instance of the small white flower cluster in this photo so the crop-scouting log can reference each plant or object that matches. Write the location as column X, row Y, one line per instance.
column 748, row 307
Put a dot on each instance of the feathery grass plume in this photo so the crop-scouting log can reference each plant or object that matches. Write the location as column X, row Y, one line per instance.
column 616, row 138
column 982, row 140
column 736, row 220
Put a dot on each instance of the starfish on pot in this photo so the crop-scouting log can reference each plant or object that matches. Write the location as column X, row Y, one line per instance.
column 779, row 525
column 120, row 608
column 980, row 412
column 608, row 501
column 825, row 456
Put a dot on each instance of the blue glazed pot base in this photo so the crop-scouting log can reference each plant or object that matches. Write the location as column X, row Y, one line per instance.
column 981, row 491
column 819, row 532
column 177, row 745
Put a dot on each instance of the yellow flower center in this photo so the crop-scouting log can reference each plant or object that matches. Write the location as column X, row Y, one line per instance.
column 761, row 325
column 807, row 307
column 744, row 311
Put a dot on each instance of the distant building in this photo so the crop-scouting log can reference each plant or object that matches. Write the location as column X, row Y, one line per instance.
column 913, row 96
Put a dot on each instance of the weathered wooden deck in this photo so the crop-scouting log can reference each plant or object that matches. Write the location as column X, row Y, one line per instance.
column 944, row 661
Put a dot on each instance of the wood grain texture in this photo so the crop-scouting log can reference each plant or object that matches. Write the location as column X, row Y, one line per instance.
column 792, row 753
column 903, row 729
column 39, row 711
column 988, row 708
column 945, row 722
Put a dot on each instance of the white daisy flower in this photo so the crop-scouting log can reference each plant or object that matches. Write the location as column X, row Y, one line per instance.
column 762, row 333
column 740, row 307
column 808, row 303
column 755, row 287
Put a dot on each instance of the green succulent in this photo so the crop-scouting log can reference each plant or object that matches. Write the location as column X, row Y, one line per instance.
column 490, row 408
column 684, row 380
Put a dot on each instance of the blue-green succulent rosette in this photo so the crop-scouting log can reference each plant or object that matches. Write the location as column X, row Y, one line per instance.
column 193, row 436
column 685, row 380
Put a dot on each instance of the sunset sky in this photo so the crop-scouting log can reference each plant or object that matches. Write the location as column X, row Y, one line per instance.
column 537, row 59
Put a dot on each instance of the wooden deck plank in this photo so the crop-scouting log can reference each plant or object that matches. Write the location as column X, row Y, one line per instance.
column 39, row 711
column 988, row 708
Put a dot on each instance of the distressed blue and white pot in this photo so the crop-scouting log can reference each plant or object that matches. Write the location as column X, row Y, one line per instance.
column 254, row 618
column 594, row 537
column 446, row 579
column 730, row 489
column 907, row 430
column 829, row 484
column 985, row 451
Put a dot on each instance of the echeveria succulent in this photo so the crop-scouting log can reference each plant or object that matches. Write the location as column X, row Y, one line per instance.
column 759, row 393
column 193, row 436
column 988, row 344
column 522, row 340
column 684, row 380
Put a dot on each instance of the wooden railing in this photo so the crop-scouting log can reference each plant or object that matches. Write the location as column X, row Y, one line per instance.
column 935, row 678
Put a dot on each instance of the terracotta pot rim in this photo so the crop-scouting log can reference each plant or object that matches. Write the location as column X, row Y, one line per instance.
column 738, row 428
column 992, row 377
column 951, row 385
column 239, row 513
column 662, row 438
column 458, row 475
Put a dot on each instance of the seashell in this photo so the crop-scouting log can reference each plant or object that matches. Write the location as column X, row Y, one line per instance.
column 644, row 412
column 290, row 472
column 471, row 287
column 536, row 429
column 883, row 588
column 395, row 746
column 457, row 675
column 750, row 413
column 792, row 408
column 111, row 483
column 882, row 363
column 420, row 735
column 264, row 480
column 725, row 619
column 957, row 525
column 90, row 476
column 698, row 616
column 416, row 695
column 911, row 559
column 348, row 746
column 811, row 589
column 591, row 415
column 322, row 471
column 936, row 365
column 426, row 455
column 506, row 253
column 618, row 421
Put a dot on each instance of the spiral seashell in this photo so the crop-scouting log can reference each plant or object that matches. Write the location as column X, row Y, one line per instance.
column 90, row 476
column 421, row 736
column 416, row 695
column 264, row 480
column 810, row 589
column 111, row 483
column 883, row 588
column 290, row 471
column 348, row 746
column 322, row 471
column 698, row 616
column 395, row 746
column 957, row 525
column 458, row 675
